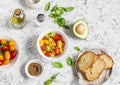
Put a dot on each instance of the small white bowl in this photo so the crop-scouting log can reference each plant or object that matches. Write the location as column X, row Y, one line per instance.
column 27, row 66
column 33, row 3
column 65, row 39
column 12, row 62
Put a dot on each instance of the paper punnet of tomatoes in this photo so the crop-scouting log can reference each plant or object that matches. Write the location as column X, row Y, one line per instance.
column 8, row 51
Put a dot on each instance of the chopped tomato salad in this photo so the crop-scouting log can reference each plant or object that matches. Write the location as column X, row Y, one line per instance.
column 52, row 44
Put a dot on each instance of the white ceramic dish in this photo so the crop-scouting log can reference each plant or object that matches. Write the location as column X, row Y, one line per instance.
column 103, row 77
column 12, row 62
column 65, row 39
column 27, row 65
column 33, row 3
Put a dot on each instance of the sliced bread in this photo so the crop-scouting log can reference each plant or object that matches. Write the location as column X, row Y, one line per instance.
column 85, row 61
column 108, row 60
column 97, row 68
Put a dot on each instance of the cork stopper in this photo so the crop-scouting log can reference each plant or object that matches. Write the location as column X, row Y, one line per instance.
column 17, row 11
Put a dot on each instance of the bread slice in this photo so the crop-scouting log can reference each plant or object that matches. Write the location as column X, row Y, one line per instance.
column 97, row 68
column 108, row 60
column 85, row 61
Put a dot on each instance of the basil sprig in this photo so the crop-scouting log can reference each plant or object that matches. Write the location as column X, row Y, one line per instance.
column 50, row 81
column 56, row 14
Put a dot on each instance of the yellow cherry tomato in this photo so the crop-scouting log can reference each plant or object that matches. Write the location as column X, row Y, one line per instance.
column 46, row 41
column 52, row 44
column 12, row 42
column 3, row 41
column 5, row 62
column 1, row 57
column 7, row 55
column 12, row 47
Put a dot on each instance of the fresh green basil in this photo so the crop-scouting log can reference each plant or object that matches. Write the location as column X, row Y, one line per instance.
column 77, row 48
column 54, row 8
column 57, row 65
column 68, row 9
column 47, row 6
column 70, row 61
column 56, row 14
column 50, row 81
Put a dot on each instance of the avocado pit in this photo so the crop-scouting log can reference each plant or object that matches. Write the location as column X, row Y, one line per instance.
column 80, row 29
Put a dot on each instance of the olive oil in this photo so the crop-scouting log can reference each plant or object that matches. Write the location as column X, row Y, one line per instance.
column 18, row 19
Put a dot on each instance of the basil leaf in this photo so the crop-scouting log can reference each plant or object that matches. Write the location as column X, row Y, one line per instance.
column 50, row 81
column 60, row 10
column 54, row 15
column 47, row 6
column 54, row 8
column 68, row 9
column 60, row 21
column 54, row 76
column 57, row 65
column 66, row 26
column 70, row 61
column 77, row 48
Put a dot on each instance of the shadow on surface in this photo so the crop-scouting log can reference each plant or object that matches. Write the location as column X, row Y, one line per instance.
column 31, row 46
column 22, row 70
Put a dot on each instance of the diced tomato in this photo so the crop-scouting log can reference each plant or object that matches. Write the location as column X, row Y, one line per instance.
column 43, row 47
column 57, row 37
column 57, row 50
column 63, row 43
column 1, row 63
column 48, row 54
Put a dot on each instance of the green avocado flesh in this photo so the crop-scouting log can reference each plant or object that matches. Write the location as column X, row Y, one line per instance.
column 80, row 29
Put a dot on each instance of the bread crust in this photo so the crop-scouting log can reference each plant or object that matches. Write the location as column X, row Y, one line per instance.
column 80, row 61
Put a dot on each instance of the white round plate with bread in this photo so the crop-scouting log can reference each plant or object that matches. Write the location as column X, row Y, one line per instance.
column 94, row 67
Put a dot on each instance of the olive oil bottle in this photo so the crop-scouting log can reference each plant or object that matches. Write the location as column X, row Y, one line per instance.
column 18, row 19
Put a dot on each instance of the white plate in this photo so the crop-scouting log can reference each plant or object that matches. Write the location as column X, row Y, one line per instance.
column 102, row 78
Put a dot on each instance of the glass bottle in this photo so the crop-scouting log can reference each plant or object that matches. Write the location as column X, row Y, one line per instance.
column 18, row 19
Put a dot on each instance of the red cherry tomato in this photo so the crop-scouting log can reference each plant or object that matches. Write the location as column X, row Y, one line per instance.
column 1, row 63
column 13, row 54
column 5, row 48
column 48, row 54
column 58, row 37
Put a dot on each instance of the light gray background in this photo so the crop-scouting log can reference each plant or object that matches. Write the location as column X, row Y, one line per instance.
column 103, row 18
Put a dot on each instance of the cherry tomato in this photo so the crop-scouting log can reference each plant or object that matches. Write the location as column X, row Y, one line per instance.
column 13, row 54
column 5, row 62
column 1, row 57
column 12, row 47
column 3, row 41
column 7, row 55
column 12, row 42
column 5, row 48
column 1, row 63
column 48, row 54
column 58, row 37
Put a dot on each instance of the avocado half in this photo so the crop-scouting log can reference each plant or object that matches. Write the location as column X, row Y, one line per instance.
column 80, row 29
